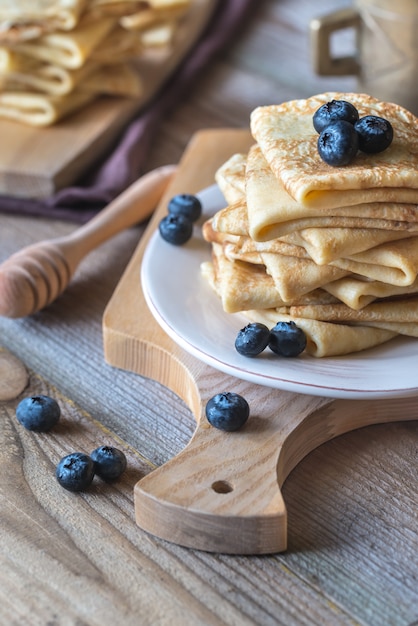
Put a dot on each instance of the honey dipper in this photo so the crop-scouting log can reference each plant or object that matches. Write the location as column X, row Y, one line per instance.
column 35, row 276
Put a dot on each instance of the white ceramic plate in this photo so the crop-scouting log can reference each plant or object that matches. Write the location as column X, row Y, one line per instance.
column 191, row 314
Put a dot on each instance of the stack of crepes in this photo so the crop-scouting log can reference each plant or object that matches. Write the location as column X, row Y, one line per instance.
column 58, row 55
column 335, row 249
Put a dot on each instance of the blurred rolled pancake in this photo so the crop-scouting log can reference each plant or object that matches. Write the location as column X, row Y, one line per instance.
column 74, row 51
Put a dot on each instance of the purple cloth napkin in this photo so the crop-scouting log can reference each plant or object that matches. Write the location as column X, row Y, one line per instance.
column 81, row 202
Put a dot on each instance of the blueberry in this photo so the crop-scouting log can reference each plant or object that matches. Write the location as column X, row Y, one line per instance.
column 375, row 133
column 186, row 204
column 332, row 112
column 338, row 143
column 227, row 411
column 39, row 413
column 75, row 471
column 176, row 229
column 109, row 463
column 252, row 339
column 287, row 339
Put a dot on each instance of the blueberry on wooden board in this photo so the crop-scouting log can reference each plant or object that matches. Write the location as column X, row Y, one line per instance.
column 176, row 229
column 287, row 339
column 109, row 462
column 39, row 413
column 186, row 204
column 75, row 472
column 227, row 411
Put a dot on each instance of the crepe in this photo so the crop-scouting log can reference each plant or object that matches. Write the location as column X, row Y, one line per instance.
column 294, row 277
column 231, row 178
column 400, row 316
column 288, row 141
column 158, row 36
column 358, row 293
column 244, row 248
column 325, row 245
column 322, row 245
column 115, row 8
column 325, row 339
column 227, row 278
column 233, row 219
column 149, row 17
column 296, row 229
column 272, row 212
column 40, row 110
column 118, row 46
column 21, row 20
column 68, row 49
column 22, row 73
column 395, row 263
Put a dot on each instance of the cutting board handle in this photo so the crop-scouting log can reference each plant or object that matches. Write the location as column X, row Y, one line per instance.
column 222, row 492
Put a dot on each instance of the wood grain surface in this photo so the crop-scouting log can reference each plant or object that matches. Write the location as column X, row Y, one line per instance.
column 68, row 559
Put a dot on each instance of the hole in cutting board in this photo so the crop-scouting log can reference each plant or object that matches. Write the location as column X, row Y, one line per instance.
column 222, row 486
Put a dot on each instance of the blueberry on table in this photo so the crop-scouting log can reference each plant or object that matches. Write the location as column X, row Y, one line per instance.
column 39, row 413
column 75, row 472
column 332, row 112
column 109, row 462
column 186, row 204
column 338, row 143
column 252, row 339
column 176, row 229
column 227, row 411
column 287, row 339
column 375, row 133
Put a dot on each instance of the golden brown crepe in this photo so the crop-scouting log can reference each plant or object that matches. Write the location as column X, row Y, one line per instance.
column 55, row 55
column 40, row 110
column 272, row 212
column 296, row 228
column 115, row 8
column 321, row 245
column 21, row 20
column 68, row 49
column 325, row 339
column 227, row 278
column 325, row 245
column 26, row 74
column 295, row 276
column 395, row 263
column 150, row 17
column 234, row 219
column 356, row 292
column 231, row 178
column 288, row 141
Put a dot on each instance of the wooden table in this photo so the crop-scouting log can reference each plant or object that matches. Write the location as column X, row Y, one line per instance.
column 80, row 558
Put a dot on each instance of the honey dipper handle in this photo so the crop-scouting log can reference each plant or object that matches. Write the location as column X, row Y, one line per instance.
column 131, row 207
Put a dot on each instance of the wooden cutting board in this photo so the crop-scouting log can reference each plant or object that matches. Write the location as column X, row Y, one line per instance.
column 222, row 492
column 36, row 162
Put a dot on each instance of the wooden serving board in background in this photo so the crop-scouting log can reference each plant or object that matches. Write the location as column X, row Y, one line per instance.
column 222, row 492
column 36, row 162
